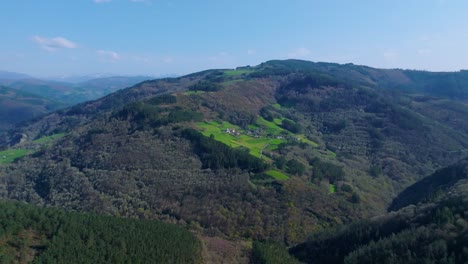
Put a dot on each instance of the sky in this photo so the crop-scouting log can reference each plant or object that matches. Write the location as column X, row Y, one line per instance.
column 159, row 37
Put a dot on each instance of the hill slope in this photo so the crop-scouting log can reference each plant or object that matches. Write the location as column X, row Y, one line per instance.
column 17, row 106
column 52, row 236
column 73, row 93
column 433, row 231
column 268, row 152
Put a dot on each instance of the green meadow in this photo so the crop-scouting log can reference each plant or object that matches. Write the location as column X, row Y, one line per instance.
column 255, row 145
column 268, row 139
column 230, row 73
column 10, row 155
column 48, row 139
column 193, row 92
column 277, row 175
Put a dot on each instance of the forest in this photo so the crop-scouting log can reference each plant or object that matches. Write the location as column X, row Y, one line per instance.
column 45, row 235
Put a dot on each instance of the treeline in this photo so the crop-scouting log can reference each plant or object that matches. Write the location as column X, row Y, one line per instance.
column 271, row 253
column 327, row 170
column 430, row 234
column 433, row 186
column 54, row 236
column 217, row 155
column 145, row 114
column 206, row 86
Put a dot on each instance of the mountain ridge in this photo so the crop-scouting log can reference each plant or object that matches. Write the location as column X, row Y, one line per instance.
column 335, row 150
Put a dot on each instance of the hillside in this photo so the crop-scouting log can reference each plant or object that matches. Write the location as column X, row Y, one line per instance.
column 42, row 235
column 6, row 75
column 433, row 231
column 272, row 152
column 432, row 187
column 17, row 106
column 24, row 99
column 72, row 93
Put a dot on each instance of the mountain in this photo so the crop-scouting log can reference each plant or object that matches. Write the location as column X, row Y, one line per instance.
column 18, row 106
column 70, row 93
column 13, row 75
column 442, row 84
column 76, row 79
column 28, row 98
column 429, row 230
column 270, row 153
column 440, row 183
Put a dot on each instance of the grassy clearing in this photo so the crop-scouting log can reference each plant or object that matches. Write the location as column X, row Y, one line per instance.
column 10, row 155
column 332, row 188
column 277, row 175
column 254, row 144
column 230, row 73
column 268, row 140
column 271, row 127
column 193, row 92
column 274, row 129
column 278, row 121
column 277, row 106
column 48, row 139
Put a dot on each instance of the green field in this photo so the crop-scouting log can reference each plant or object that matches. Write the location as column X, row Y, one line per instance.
column 277, row 175
column 255, row 145
column 277, row 106
column 47, row 139
column 193, row 92
column 237, row 72
column 10, row 155
column 332, row 188
column 270, row 138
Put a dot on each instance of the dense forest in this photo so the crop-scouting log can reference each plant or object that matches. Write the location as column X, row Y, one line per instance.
column 279, row 153
column 433, row 231
column 41, row 235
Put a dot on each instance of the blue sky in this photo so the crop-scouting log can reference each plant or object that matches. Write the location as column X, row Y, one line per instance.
column 75, row 37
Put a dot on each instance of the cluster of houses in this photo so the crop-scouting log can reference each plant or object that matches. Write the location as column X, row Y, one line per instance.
column 257, row 133
column 232, row 132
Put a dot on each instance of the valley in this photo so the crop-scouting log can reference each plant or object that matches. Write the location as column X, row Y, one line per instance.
column 259, row 159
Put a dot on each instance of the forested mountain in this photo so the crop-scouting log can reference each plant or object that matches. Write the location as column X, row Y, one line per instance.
column 17, row 106
column 270, row 153
column 41, row 235
column 72, row 93
column 25, row 98
column 430, row 230
column 13, row 75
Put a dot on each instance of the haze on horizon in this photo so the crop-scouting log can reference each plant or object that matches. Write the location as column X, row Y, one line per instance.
column 152, row 37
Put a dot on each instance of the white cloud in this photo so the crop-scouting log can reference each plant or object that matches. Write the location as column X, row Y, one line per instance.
column 300, row 53
column 108, row 55
column 101, row 1
column 51, row 44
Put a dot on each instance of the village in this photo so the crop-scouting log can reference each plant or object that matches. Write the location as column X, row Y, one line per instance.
column 258, row 133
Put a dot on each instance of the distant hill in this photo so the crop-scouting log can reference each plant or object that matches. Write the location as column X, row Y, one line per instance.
column 76, row 79
column 13, row 75
column 273, row 152
column 69, row 93
column 23, row 99
column 446, row 84
column 17, row 106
